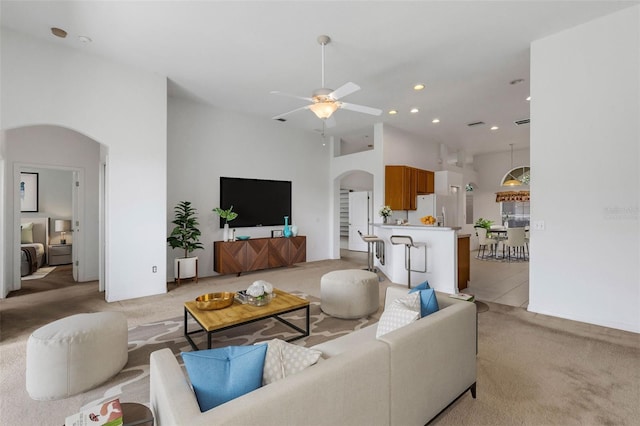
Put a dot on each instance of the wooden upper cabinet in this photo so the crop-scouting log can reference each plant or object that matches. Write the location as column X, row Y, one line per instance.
column 426, row 182
column 403, row 184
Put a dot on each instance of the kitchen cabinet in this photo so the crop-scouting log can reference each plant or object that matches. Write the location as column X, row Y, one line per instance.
column 464, row 261
column 403, row 184
column 425, row 182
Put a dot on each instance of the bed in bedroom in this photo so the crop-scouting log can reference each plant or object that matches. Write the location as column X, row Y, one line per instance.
column 34, row 242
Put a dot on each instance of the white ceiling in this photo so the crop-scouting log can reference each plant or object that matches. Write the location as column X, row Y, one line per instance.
column 231, row 54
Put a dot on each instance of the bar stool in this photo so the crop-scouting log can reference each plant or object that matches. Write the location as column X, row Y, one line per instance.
column 408, row 243
column 379, row 249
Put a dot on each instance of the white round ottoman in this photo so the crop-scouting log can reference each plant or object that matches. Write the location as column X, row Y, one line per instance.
column 351, row 293
column 76, row 353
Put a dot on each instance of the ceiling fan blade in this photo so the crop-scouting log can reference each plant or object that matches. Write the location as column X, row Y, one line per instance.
column 275, row 92
column 289, row 112
column 360, row 108
column 344, row 90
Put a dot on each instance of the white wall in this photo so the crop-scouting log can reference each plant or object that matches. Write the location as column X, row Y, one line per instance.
column 585, row 88
column 401, row 148
column 120, row 107
column 205, row 143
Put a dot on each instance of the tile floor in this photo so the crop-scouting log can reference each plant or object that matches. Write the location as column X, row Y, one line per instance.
column 491, row 281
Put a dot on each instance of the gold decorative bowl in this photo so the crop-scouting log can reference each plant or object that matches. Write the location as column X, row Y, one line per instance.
column 212, row 301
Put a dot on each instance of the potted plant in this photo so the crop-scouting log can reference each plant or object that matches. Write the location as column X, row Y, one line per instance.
column 483, row 223
column 227, row 215
column 185, row 236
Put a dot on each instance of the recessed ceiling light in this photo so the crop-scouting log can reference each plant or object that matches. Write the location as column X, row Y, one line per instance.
column 58, row 32
column 418, row 86
column 414, row 110
column 435, row 120
column 495, row 128
column 517, row 81
column 528, row 98
column 393, row 112
column 84, row 39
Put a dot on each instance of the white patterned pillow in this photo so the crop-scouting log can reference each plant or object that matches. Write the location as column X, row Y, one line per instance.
column 284, row 359
column 401, row 312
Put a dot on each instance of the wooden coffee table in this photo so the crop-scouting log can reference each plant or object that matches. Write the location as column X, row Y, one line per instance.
column 240, row 314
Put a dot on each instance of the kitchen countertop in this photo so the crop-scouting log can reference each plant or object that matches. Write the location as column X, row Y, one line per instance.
column 418, row 227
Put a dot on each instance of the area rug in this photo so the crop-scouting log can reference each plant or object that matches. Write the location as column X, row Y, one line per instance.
column 40, row 273
column 132, row 383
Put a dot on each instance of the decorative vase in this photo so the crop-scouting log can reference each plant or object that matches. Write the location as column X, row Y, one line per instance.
column 294, row 230
column 225, row 233
column 287, row 230
column 384, row 219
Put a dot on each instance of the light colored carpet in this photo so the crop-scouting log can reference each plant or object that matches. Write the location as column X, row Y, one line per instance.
column 39, row 274
column 532, row 369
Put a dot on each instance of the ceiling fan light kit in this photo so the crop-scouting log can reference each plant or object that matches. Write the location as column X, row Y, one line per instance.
column 324, row 101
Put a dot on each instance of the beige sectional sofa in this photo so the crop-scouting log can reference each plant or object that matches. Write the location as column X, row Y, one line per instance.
column 405, row 377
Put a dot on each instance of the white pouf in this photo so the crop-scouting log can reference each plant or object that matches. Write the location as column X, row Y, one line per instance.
column 351, row 293
column 76, row 353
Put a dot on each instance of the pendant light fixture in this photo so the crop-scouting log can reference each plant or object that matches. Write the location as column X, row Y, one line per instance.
column 511, row 181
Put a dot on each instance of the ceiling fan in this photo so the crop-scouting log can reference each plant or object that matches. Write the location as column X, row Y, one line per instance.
column 324, row 101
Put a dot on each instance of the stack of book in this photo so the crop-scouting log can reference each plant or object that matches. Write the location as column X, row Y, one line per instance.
column 463, row 296
column 105, row 414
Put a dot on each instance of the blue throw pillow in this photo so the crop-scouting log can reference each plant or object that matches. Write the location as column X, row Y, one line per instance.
column 423, row 286
column 428, row 302
column 220, row 375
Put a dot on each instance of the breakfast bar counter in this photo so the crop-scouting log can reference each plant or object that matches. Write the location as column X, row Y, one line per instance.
column 438, row 257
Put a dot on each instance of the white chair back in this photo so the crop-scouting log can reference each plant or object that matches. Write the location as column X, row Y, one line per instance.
column 515, row 237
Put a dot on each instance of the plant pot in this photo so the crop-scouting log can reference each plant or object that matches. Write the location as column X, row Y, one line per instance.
column 225, row 233
column 185, row 267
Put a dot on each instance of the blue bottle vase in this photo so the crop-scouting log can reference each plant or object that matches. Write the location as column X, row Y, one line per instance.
column 287, row 230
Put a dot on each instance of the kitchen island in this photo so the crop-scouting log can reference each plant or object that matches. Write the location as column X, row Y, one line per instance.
column 441, row 246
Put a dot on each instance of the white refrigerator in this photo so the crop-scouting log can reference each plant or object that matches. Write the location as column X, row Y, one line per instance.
column 445, row 208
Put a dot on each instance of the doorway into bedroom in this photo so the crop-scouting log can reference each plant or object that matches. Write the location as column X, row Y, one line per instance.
column 66, row 200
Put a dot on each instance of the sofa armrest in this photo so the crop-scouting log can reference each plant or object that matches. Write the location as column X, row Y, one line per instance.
column 172, row 399
column 433, row 361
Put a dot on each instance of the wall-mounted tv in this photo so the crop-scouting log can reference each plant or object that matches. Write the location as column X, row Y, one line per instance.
column 258, row 202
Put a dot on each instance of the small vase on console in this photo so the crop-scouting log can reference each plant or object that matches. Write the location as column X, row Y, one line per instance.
column 225, row 233
column 294, row 230
column 287, row 230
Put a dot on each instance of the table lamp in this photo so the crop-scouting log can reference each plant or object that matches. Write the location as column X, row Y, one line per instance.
column 62, row 226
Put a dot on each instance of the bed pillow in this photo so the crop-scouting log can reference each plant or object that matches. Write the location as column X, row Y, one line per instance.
column 284, row 359
column 26, row 233
column 220, row 375
column 401, row 312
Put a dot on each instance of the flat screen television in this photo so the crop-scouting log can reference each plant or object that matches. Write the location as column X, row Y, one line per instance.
column 258, row 202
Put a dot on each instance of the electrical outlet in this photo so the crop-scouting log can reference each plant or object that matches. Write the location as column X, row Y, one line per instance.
column 154, row 269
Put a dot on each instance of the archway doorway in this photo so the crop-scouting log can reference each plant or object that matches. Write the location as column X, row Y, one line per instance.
column 54, row 150
column 355, row 212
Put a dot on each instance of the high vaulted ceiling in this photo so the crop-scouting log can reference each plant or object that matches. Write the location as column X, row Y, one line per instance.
column 231, row 54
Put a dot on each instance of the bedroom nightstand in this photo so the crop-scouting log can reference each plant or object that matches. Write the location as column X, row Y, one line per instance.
column 60, row 254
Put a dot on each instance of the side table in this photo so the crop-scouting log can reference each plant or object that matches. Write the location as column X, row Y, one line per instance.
column 134, row 414
column 60, row 254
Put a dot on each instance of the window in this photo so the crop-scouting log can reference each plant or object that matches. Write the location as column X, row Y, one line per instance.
column 521, row 174
column 516, row 213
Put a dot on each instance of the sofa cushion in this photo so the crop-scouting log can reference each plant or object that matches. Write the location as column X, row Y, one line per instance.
column 284, row 359
column 220, row 375
column 428, row 302
column 402, row 311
